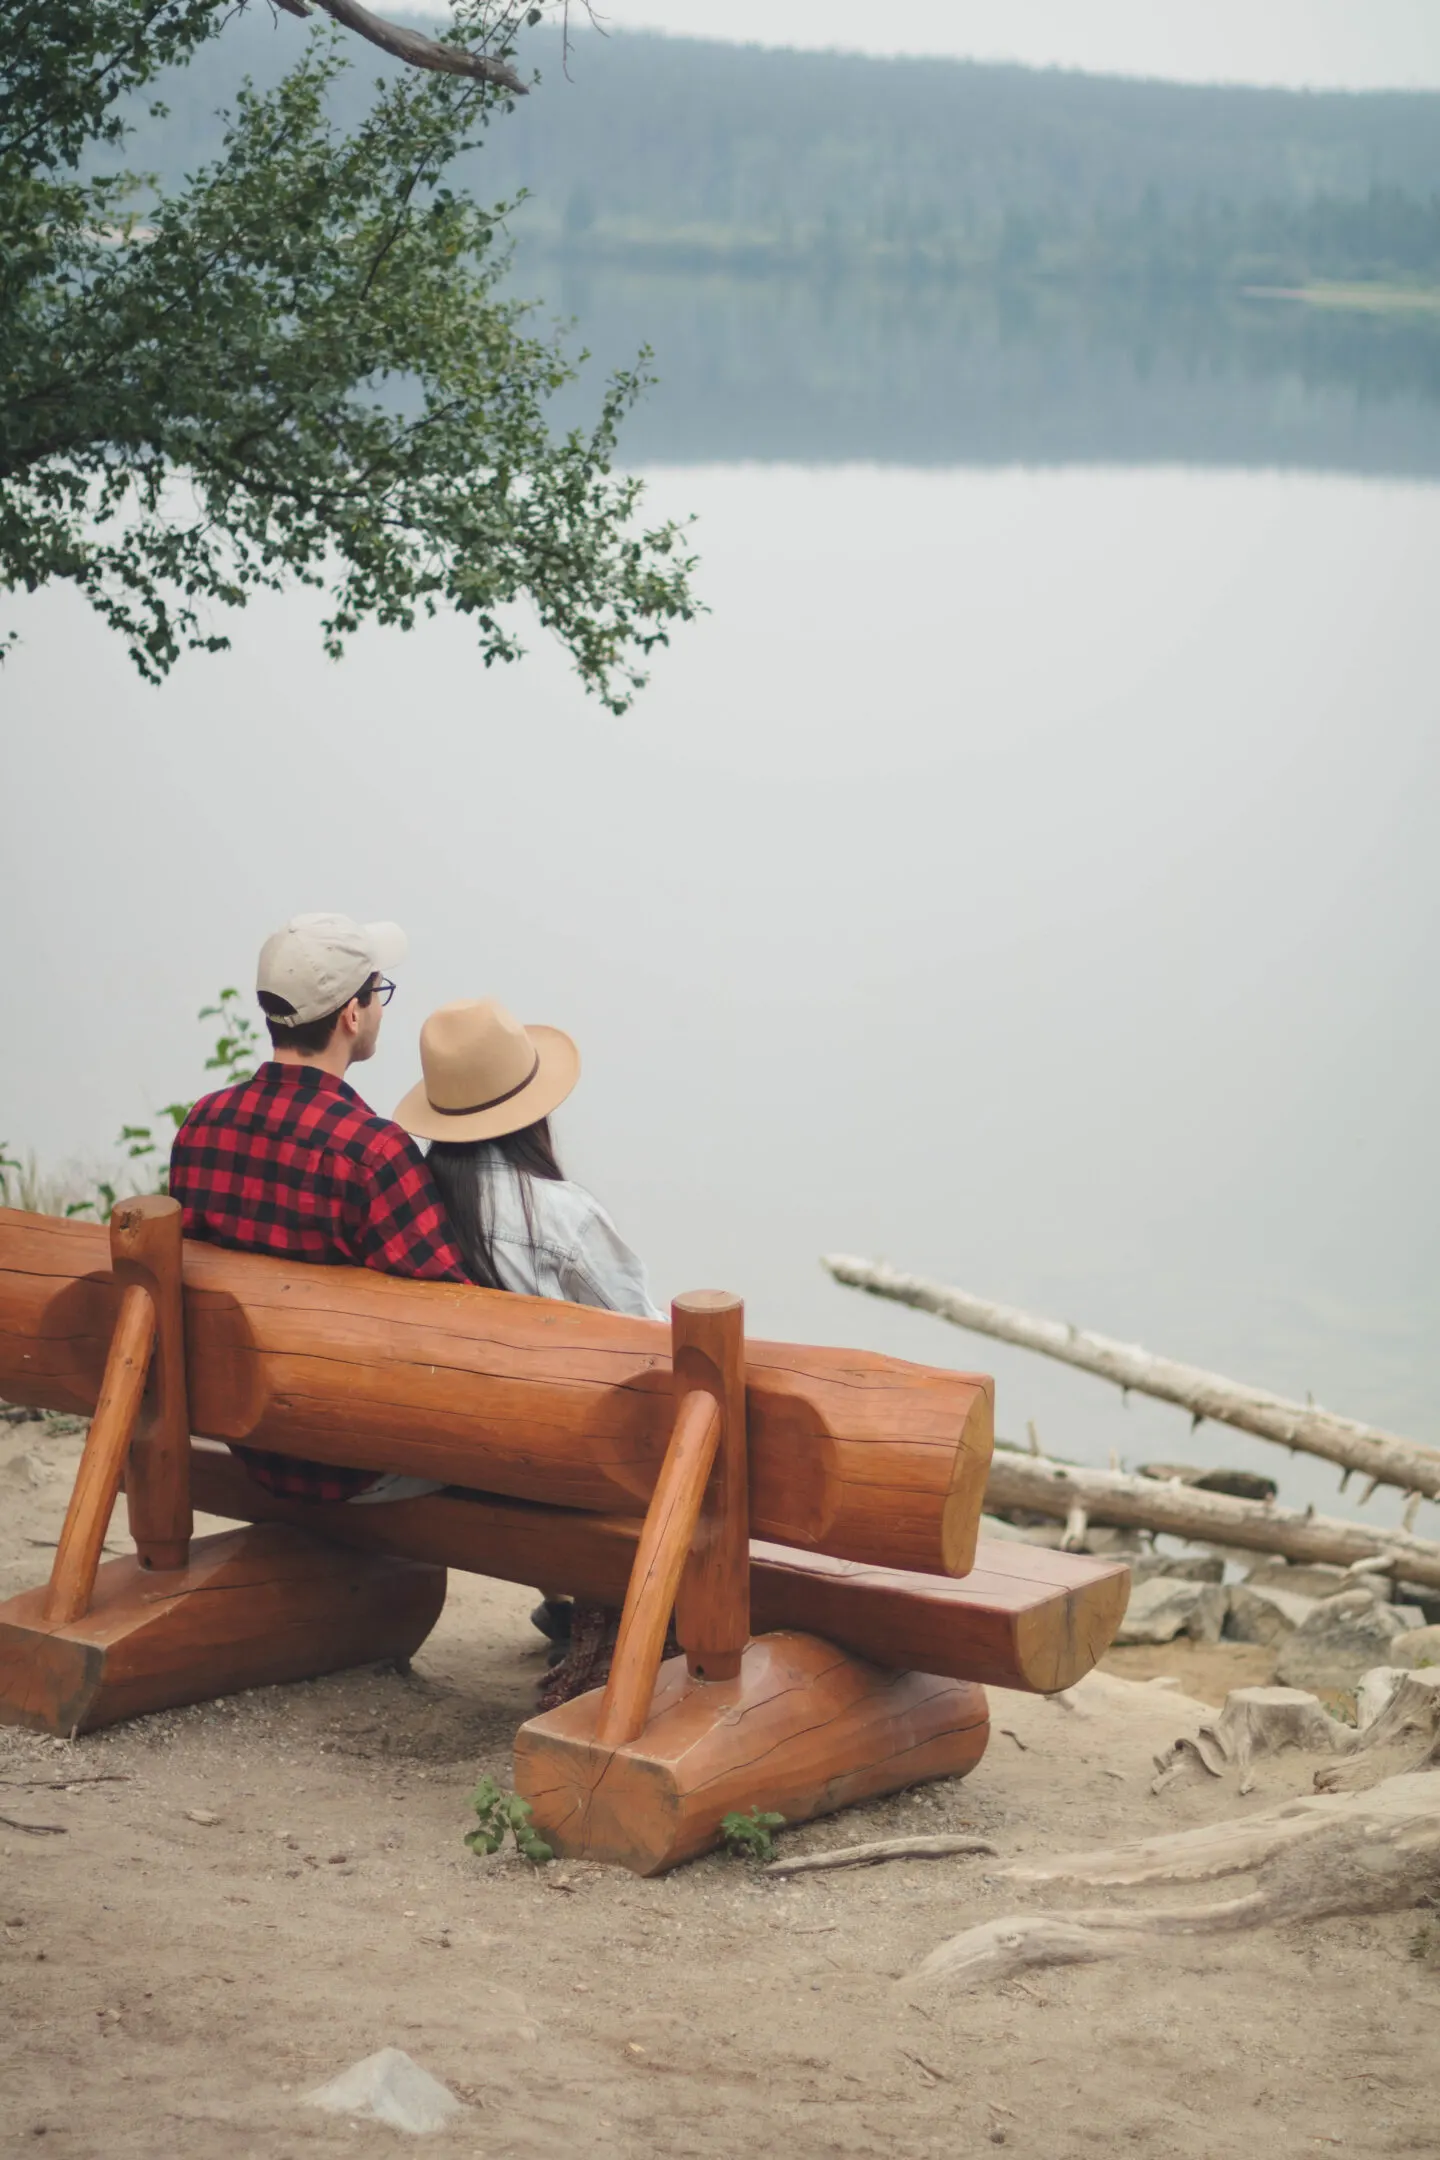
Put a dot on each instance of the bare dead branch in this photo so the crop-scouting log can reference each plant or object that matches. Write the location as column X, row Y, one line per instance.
column 412, row 46
column 1410, row 1464
column 1111, row 1496
column 902, row 1848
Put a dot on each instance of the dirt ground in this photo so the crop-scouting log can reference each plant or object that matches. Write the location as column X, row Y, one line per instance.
column 174, row 1987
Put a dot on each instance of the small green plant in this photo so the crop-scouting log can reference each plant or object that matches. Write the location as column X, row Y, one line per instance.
column 750, row 1836
column 100, row 1204
column 501, row 1813
column 9, row 1167
column 236, row 1046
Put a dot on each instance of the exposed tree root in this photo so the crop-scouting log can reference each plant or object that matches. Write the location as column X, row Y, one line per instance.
column 1376, row 1851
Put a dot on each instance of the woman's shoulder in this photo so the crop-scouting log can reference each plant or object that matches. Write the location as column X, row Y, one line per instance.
column 566, row 1245
column 558, row 1208
column 562, row 1200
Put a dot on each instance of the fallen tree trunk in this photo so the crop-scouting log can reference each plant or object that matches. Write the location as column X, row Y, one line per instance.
column 1110, row 1496
column 1382, row 1456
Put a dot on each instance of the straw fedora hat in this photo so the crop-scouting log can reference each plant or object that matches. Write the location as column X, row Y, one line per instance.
column 485, row 1074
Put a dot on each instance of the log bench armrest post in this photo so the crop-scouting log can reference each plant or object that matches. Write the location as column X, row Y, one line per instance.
column 712, row 1608
column 146, row 1250
column 97, row 1480
column 138, row 1433
column 694, row 1552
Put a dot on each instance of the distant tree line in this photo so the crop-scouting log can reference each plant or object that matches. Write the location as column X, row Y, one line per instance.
column 685, row 153
column 1382, row 235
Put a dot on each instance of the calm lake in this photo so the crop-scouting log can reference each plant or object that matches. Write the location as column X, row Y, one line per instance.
column 1026, row 872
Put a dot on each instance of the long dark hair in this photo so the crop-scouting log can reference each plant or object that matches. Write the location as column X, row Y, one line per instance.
column 457, row 1165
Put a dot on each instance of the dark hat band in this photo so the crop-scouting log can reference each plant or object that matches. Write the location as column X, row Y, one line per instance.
column 495, row 1101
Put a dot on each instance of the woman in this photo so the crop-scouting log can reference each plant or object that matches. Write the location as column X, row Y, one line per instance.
column 484, row 1105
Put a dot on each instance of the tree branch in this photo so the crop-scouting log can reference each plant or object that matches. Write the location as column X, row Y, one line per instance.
column 412, row 46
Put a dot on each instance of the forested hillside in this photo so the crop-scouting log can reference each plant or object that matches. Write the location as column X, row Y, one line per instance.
column 688, row 153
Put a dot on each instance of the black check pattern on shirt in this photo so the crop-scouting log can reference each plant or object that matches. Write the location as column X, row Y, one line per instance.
column 292, row 1162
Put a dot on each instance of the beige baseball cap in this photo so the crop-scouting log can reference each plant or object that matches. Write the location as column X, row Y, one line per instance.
column 318, row 962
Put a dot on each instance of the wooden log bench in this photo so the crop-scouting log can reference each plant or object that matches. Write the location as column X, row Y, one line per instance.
column 840, row 1653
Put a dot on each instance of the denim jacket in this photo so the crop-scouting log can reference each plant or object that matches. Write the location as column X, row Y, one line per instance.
column 575, row 1252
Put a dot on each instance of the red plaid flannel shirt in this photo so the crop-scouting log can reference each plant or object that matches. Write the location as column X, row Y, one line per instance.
column 293, row 1162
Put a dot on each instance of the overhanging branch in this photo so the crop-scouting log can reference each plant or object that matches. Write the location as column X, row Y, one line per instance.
column 411, row 46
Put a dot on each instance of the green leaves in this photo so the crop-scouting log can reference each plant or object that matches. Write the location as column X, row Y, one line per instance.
column 749, row 1836
column 296, row 371
column 10, row 1168
column 67, row 66
column 503, row 1814
column 236, row 1048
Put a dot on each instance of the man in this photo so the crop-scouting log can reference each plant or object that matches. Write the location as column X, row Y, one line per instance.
column 293, row 1162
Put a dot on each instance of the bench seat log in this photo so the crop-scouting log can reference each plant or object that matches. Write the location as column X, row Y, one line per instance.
column 860, row 1456
column 1024, row 1617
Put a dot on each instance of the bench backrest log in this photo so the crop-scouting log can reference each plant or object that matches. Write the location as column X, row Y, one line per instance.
column 859, row 1456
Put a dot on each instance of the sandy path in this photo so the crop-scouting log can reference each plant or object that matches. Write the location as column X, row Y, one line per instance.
column 171, row 1988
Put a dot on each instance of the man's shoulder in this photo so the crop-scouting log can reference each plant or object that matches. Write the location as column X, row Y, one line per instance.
column 342, row 1124
column 377, row 1141
column 325, row 1115
column 220, row 1108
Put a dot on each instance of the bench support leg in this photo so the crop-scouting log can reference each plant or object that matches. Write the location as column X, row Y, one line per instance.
column 802, row 1729
column 642, row 1774
column 181, row 1622
column 251, row 1608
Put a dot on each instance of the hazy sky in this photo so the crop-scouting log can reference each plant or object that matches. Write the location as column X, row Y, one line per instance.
column 1353, row 44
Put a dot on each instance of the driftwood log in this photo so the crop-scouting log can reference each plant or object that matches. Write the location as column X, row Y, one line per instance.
column 1383, row 1456
column 1112, row 1496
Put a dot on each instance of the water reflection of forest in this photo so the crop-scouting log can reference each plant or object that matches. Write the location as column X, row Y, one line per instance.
column 927, row 373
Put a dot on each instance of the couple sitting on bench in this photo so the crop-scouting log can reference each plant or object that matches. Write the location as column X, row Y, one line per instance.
column 293, row 1162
